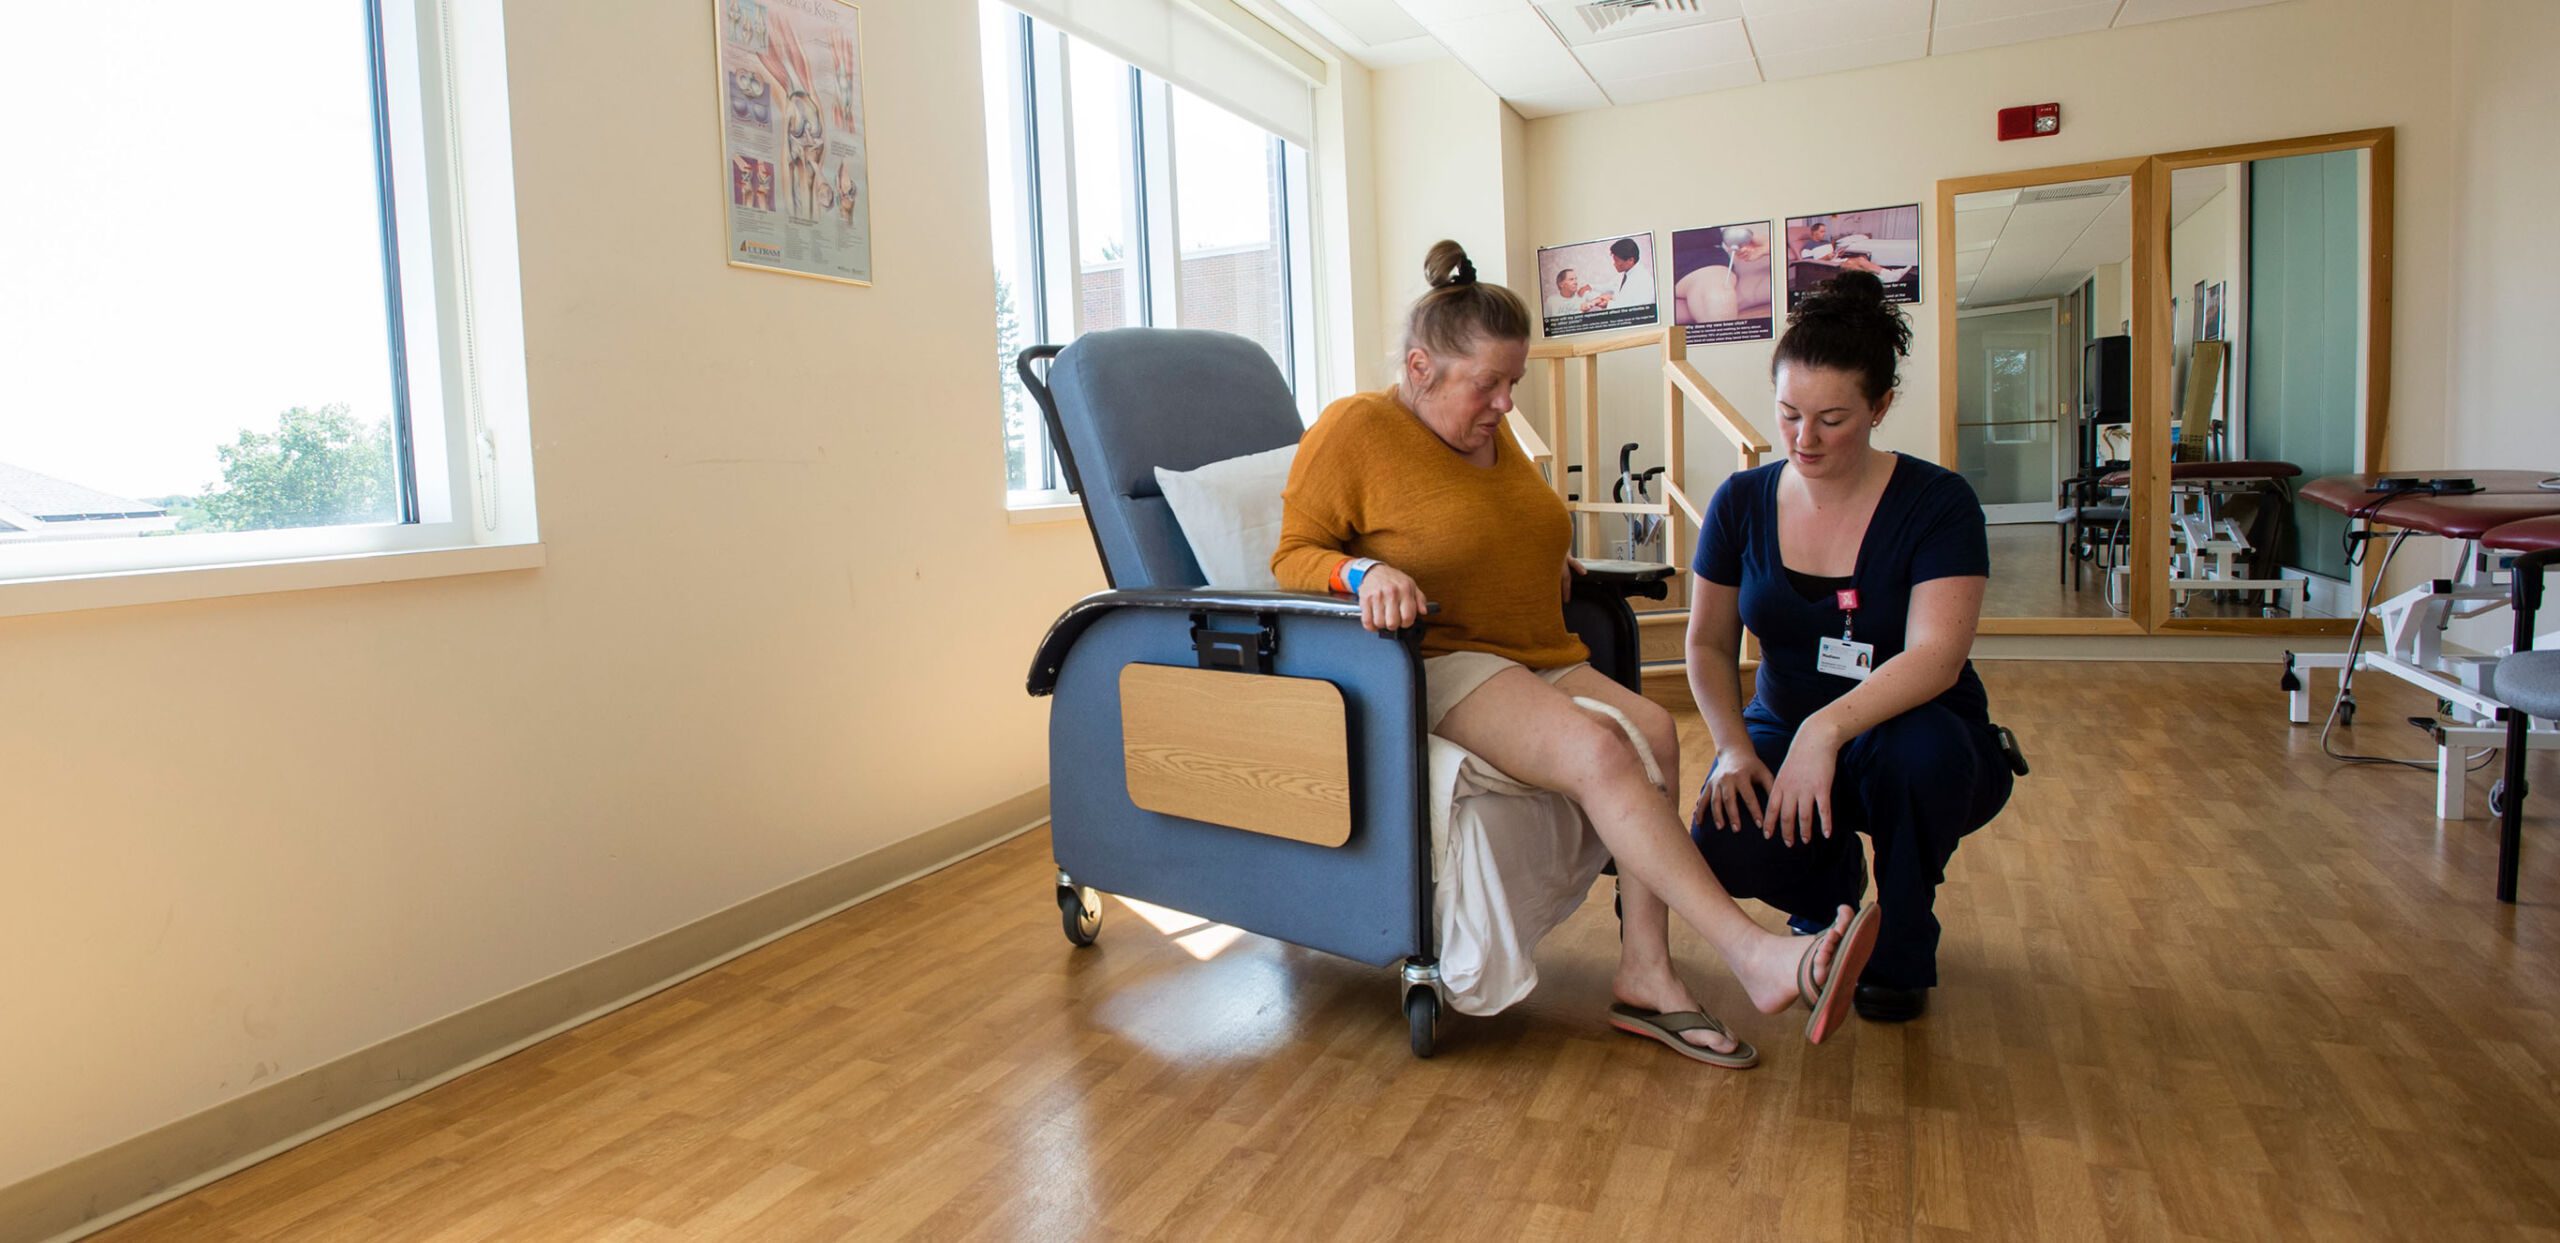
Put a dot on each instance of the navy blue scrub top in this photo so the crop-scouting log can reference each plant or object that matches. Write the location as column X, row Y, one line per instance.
column 1927, row 525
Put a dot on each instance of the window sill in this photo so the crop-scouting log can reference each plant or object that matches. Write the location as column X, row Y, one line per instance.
column 72, row 593
column 1036, row 512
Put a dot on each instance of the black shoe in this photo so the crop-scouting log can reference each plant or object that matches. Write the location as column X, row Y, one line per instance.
column 1879, row 1004
column 1809, row 926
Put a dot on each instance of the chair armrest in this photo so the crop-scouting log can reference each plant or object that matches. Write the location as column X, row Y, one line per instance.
column 1081, row 616
column 1649, row 579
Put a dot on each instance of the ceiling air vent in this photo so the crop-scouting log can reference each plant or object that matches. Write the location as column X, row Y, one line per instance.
column 1600, row 16
column 2076, row 190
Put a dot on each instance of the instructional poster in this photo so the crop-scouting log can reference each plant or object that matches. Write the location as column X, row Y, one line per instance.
column 793, row 148
column 1721, row 282
column 1881, row 240
column 1597, row 285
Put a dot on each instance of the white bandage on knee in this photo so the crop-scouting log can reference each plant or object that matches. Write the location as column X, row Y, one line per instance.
column 1644, row 750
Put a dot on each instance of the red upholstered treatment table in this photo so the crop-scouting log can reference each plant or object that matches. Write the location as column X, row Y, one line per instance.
column 2205, row 546
column 2505, row 496
column 2529, row 535
column 2512, row 512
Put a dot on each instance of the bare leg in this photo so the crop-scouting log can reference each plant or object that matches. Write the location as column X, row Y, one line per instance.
column 1646, row 975
column 1534, row 732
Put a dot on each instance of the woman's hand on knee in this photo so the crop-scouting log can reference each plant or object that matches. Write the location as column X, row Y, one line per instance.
column 1732, row 788
column 1389, row 599
column 1800, row 799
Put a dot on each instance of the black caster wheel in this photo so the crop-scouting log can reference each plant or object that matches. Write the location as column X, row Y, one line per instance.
column 1422, row 1014
column 1080, row 913
column 2498, row 799
column 2347, row 711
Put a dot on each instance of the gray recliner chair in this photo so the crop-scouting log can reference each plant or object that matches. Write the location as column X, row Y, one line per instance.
column 1119, row 404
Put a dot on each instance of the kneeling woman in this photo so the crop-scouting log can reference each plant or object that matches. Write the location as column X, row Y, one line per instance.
column 1418, row 494
column 1861, row 572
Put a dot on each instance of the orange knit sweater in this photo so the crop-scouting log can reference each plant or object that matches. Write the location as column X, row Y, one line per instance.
column 1487, row 544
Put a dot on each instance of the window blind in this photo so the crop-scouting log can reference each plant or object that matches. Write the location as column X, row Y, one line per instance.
column 1212, row 48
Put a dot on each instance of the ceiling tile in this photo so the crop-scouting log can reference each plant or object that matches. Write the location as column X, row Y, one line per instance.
column 1514, row 53
column 1673, row 85
column 1978, row 228
column 2108, row 239
column 1438, row 12
column 1967, row 12
column 1756, row 9
column 1411, row 51
column 2137, row 12
column 1805, row 64
column 1576, row 24
column 2192, row 188
column 1582, row 98
column 2042, row 247
column 1373, row 22
column 1667, row 52
column 1998, row 32
column 1839, row 24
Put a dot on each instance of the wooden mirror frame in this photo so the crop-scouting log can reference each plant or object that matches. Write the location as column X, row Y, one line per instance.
column 2153, row 223
column 2148, row 600
column 2150, row 501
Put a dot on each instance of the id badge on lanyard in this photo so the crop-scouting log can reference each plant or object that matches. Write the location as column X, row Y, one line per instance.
column 1845, row 657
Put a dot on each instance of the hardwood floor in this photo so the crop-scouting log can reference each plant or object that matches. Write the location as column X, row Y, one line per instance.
column 2024, row 582
column 2198, row 982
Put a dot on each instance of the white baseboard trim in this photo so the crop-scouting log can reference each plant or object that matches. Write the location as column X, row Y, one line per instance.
column 139, row 1174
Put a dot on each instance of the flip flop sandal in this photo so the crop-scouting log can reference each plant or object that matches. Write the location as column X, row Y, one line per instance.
column 1831, row 1001
column 1670, row 1027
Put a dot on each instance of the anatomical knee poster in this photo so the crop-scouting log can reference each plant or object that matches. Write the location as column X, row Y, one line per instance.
column 793, row 149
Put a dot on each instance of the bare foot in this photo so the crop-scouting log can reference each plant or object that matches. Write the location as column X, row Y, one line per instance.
column 1659, row 989
column 1770, row 976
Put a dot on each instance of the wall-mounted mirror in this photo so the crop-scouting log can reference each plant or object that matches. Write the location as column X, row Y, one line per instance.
column 2270, row 333
column 2037, row 311
column 2142, row 361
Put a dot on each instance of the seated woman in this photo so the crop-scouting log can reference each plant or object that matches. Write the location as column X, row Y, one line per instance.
column 1419, row 494
column 1862, row 573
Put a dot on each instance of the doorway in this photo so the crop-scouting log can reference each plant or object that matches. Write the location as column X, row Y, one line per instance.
column 2009, row 416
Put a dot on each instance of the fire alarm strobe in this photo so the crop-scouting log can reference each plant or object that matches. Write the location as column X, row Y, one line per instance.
column 2030, row 121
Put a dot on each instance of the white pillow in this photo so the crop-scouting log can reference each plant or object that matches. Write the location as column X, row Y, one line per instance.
column 1230, row 512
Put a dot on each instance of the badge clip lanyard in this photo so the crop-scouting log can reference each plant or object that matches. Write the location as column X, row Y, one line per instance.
column 1847, row 599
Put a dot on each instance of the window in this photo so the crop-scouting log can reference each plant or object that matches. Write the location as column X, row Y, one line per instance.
column 1122, row 199
column 254, row 349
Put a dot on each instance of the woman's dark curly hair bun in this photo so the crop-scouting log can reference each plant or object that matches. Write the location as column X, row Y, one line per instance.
column 1845, row 324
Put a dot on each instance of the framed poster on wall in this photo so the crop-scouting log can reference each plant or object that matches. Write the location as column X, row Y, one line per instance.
column 793, row 147
column 1721, row 286
column 1882, row 240
column 1597, row 285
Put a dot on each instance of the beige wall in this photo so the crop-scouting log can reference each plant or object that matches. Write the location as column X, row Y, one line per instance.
column 2115, row 297
column 2505, row 391
column 1886, row 135
column 2504, row 386
column 1347, row 245
column 2205, row 247
column 1440, row 139
column 785, row 622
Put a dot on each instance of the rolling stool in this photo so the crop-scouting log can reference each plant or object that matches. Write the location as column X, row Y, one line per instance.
column 2527, row 681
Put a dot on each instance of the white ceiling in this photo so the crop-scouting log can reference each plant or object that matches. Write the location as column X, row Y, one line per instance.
column 1555, row 56
column 2042, row 241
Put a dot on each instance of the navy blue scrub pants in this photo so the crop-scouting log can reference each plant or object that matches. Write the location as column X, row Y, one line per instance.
column 1916, row 784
